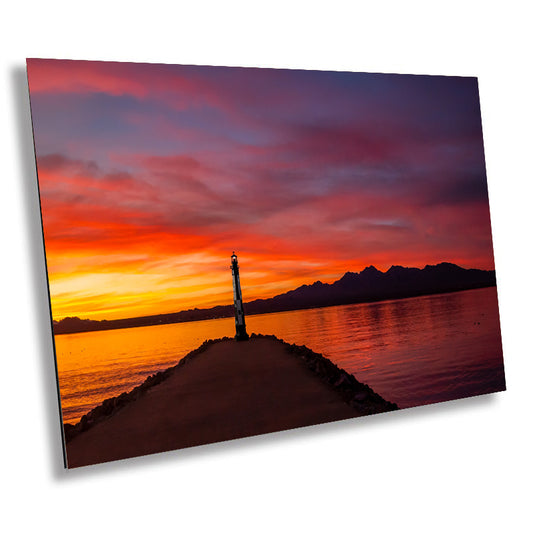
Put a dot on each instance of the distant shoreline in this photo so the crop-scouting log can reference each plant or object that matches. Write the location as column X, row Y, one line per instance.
column 87, row 326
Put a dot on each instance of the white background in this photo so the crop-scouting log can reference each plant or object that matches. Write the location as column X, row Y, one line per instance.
column 460, row 466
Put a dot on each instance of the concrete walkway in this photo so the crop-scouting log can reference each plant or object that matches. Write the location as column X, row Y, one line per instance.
column 233, row 389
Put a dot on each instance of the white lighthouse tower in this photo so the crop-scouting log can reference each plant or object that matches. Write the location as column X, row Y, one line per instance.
column 240, row 326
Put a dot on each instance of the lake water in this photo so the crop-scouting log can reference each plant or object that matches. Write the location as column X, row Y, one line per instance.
column 413, row 351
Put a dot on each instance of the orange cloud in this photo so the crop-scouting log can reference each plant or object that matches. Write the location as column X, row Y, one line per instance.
column 151, row 175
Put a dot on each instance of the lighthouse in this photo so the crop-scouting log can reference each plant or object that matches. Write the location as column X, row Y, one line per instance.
column 240, row 326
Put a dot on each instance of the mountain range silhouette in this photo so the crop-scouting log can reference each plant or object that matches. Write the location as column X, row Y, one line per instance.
column 366, row 286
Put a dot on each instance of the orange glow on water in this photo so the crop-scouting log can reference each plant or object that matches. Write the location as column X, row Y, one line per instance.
column 413, row 351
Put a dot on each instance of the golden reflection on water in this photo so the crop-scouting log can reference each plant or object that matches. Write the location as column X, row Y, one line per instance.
column 412, row 352
column 97, row 365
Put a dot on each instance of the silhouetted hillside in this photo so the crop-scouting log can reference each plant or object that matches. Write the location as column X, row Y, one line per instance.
column 372, row 284
column 365, row 286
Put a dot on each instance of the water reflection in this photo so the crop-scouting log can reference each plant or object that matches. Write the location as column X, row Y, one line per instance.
column 412, row 352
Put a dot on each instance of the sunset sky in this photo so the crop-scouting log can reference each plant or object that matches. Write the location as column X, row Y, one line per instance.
column 151, row 175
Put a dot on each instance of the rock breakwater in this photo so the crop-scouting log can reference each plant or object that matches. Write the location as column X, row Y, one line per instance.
column 356, row 394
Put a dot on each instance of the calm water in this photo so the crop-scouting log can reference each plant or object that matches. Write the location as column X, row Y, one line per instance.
column 412, row 352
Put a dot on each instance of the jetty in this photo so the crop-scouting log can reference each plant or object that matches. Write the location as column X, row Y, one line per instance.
column 223, row 390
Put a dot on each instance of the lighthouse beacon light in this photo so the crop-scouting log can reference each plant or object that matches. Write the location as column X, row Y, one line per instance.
column 240, row 326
